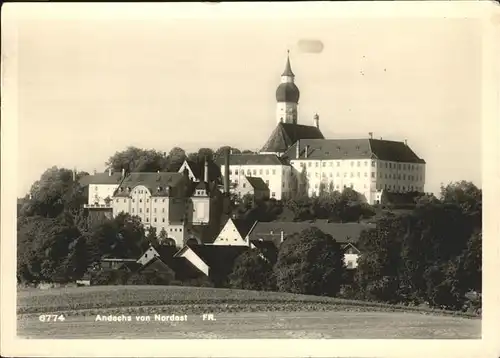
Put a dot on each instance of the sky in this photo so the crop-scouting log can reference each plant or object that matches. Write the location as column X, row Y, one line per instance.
column 90, row 83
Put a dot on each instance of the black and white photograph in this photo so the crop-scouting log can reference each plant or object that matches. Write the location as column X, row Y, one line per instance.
column 246, row 172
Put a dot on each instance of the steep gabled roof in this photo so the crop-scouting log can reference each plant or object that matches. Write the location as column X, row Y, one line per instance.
column 218, row 258
column 339, row 149
column 152, row 181
column 243, row 226
column 257, row 183
column 199, row 170
column 342, row 233
column 252, row 159
column 286, row 134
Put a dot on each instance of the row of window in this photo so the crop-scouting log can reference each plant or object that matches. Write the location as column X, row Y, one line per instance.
column 147, row 210
column 402, row 166
column 358, row 174
column 252, row 172
column 140, row 200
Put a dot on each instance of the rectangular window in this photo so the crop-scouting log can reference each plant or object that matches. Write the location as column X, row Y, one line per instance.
column 324, row 164
column 267, row 182
column 359, row 174
column 309, row 164
column 274, row 171
column 267, row 171
column 338, row 164
column 154, row 219
column 244, row 185
column 236, row 171
column 230, row 172
column 317, row 164
column 359, row 163
column 331, row 164
column 163, row 210
column 132, row 209
column 352, row 175
column 373, row 174
column 338, row 174
column 254, row 172
column 366, row 163
column 147, row 210
column 163, row 220
column 261, row 171
column 373, row 163
column 140, row 210
column 273, row 194
column 366, row 174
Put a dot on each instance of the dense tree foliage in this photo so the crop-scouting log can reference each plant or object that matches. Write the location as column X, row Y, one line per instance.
column 252, row 271
column 432, row 254
column 311, row 262
column 347, row 206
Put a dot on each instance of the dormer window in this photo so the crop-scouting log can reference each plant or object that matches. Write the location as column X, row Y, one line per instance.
column 159, row 188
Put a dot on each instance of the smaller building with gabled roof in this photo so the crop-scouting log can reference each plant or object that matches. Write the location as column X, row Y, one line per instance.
column 273, row 170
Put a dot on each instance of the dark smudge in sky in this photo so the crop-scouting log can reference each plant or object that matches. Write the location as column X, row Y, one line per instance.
column 310, row 46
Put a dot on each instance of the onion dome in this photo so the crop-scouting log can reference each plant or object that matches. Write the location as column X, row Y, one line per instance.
column 287, row 92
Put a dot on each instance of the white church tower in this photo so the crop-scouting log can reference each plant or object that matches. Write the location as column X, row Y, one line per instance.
column 287, row 96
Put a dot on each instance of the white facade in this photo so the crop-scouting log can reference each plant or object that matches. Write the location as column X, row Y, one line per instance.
column 277, row 177
column 286, row 112
column 230, row 236
column 99, row 193
column 161, row 212
column 366, row 176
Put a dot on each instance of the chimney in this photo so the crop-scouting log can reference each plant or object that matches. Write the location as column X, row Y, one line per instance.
column 226, row 172
column 316, row 120
column 95, row 172
column 282, row 237
column 370, row 134
column 306, row 151
column 298, row 149
column 205, row 172
column 123, row 173
column 74, row 174
column 109, row 172
column 406, row 142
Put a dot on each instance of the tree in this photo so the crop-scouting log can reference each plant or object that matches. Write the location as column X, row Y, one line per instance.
column 252, row 272
column 163, row 236
column 311, row 262
column 134, row 159
column 54, row 192
column 222, row 150
column 377, row 274
column 151, row 237
column 175, row 158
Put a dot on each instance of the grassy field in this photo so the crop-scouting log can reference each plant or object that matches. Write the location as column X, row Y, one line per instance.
column 237, row 314
column 188, row 299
